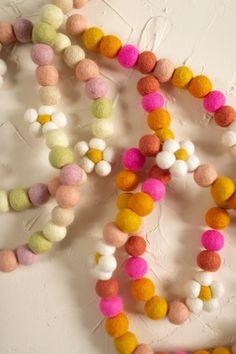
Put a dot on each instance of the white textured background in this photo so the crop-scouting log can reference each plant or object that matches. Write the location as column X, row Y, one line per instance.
column 51, row 307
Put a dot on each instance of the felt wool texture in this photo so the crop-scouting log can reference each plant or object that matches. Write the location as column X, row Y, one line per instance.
column 23, row 30
column 128, row 221
column 200, row 86
column 53, row 232
column 47, row 75
column 164, row 70
column 225, row 116
column 38, row 194
column 147, row 84
column 158, row 119
column 56, row 137
column 72, row 55
column 110, row 46
column 60, row 156
column 52, row 15
column 64, row 5
column 146, row 62
column 222, row 189
column 135, row 246
column 178, row 312
column 61, row 43
column 156, row 189
column 4, row 203
column 63, row 217
column 122, row 200
column 102, row 108
column 102, row 128
column 126, row 180
column 71, row 175
column 111, row 307
column 214, row 101
column 136, row 267
column 7, row 35
column 212, row 240
column 42, row 54
column 132, row 159
column 38, row 243
column 209, row 261
column 67, row 196
column 181, row 77
column 25, row 256
column 107, row 288
column 49, row 95
column 53, row 185
column 143, row 349
column 156, row 308
column 128, row 56
column 113, row 236
column 117, row 326
column 221, row 350
column 163, row 175
column 8, row 261
column 79, row 3
column 141, row 203
column 19, row 199
column 152, row 101
column 96, row 88
column 142, row 289
column 92, row 38
column 86, row 70
column 126, row 344
column 205, row 175
column 43, row 33
column 149, row 145
column 217, row 218
column 75, row 25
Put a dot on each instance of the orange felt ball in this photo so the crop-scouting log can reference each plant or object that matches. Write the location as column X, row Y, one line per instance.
column 158, row 119
column 217, row 218
column 209, row 261
column 147, row 84
column 141, row 203
column 126, row 180
column 8, row 261
column 53, row 185
column 225, row 116
column 142, row 289
column 79, row 3
column 67, row 196
column 200, row 86
column 7, row 35
column 149, row 145
column 107, row 288
column 163, row 175
column 110, row 46
column 231, row 202
column 135, row 246
column 146, row 62
column 117, row 326
column 47, row 75
column 76, row 25
column 122, row 200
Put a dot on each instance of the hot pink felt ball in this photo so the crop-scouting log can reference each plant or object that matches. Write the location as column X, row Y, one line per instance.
column 128, row 56
column 214, row 101
column 212, row 240
column 86, row 70
column 133, row 160
column 152, row 101
column 47, row 75
column 114, row 236
column 23, row 30
column 136, row 267
column 67, row 196
column 71, row 175
column 42, row 54
column 25, row 256
column 96, row 88
column 155, row 188
column 53, row 185
column 111, row 307
column 38, row 194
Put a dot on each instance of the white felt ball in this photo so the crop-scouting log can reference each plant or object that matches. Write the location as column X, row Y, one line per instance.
column 30, row 115
column 61, row 43
column 96, row 143
column 1, row 81
column 52, row 15
column 86, row 164
column 192, row 163
column 49, row 95
column 165, row 160
column 81, row 148
column 103, row 168
column 192, row 289
column 98, row 274
column 53, row 232
column 188, row 146
column 109, row 154
column 49, row 110
column 4, row 203
column 59, row 119
column 63, row 217
column 217, row 289
column 229, row 138
column 203, row 278
column 56, row 137
column 211, row 305
column 3, row 67
column 179, row 168
column 72, row 55
column 102, row 128
column 107, row 264
column 171, row 146
column 104, row 249
column 49, row 126
column 64, row 5
column 195, row 305
column 35, row 129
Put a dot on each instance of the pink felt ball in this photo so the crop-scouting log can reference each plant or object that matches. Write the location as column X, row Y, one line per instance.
column 212, row 240
column 214, row 101
column 128, row 56
column 136, row 267
column 53, row 185
column 143, row 349
column 164, row 70
column 71, row 175
column 67, row 196
column 42, row 54
column 23, row 30
column 25, row 256
column 111, row 307
column 76, row 24
column 38, row 194
column 132, row 159
column 86, row 70
column 152, row 101
column 96, row 88
column 155, row 188
column 114, row 236
column 47, row 75
column 178, row 312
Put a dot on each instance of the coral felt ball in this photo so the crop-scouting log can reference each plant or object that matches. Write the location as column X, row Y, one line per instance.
column 164, row 70
column 47, row 75
column 86, row 70
column 110, row 46
column 76, row 25
column 117, row 326
column 126, row 344
column 23, row 30
column 217, row 218
column 19, row 199
column 107, row 288
column 146, row 62
column 79, row 3
column 181, row 77
column 200, row 86
column 163, row 175
column 147, row 84
column 67, row 196
column 111, row 306
column 122, row 200
column 25, row 256
column 209, row 261
column 92, row 38
column 102, row 108
column 156, row 308
column 60, row 156
column 128, row 56
column 156, row 189
column 136, row 267
column 126, row 180
column 149, row 145
column 143, row 349
column 114, row 236
column 158, row 119
column 222, row 189
column 178, row 312
column 128, row 221
column 135, row 246
column 141, row 203
column 214, row 101
column 8, row 261
column 205, row 175
column 38, row 194
column 53, row 185
column 43, row 33
column 38, row 243
column 71, row 175
column 142, row 289
column 132, row 159
column 42, row 54
column 212, row 240
column 152, row 101
column 96, row 88
column 225, row 116
column 7, row 35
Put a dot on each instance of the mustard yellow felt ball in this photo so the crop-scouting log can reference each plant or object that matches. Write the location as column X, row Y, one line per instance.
column 221, row 350
column 156, row 308
column 222, row 189
column 92, row 38
column 164, row 134
column 141, row 203
column 181, row 77
column 128, row 221
column 117, row 326
column 142, row 289
column 126, row 344
column 110, row 46
column 201, row 352
column 122, row 200
column 200, row 86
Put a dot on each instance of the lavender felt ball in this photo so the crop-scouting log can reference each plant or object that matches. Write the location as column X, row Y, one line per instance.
column 38, row 194
column 71, row 175
column 25, row 256
column 23, row 30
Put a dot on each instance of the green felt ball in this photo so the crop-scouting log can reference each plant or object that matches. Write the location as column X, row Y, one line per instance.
column 19, row 199
column 102, row 108
column 38, row 243
column 60, row 156
column 44, row 33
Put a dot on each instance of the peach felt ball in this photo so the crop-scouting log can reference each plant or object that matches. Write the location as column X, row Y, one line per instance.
column 128, row 56
column 149, row 145
column 114, row 236
column 107, row 288
column 133, row 160
column 214, row 101
column 71, row 175
column 25, row 256
column 136, row 267
column 152, row 101
column 7, row 35
column 146, row 62
column 163, row 175
column 96, row 88
column 110, row 46
column 47, row 75
column 86, row 70
column 205, row 175
column 111, row 307
column 135, row 246
column 147, row 84
column 42, row 54
column 76, row 25
column 212, row 240
column 67, row 196
column 79, row 3
column 53, row 185
column 8, row 261
column 225, row 116
column 38, row 194
column 23, row 30
column 178, row 312
column 156, row 189
column 164, row 70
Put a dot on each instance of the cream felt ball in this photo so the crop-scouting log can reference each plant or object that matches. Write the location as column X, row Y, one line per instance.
column 42, row 54
column 179, row 169
column 4, row 203
column 71, row 175
column 44, row 33
column 76, row 24
column 73, row 55
column 86, row 70
column 49, row 95
column 19, row 199
column 23, row 30
column 102, row 128
column 8, row 261
column 38, row 243
column 64, row 5
column 47, row 75
column 178, row 312
column 63, row 217
column 61, row 43
column 67, row 196
column 52, row 15
column 102, row 108
column 53, row 232
column 114, row 236
column 60, row 156
column 56, row 137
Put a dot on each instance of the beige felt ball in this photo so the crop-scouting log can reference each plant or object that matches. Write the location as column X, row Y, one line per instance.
column 102, row 128
column 86, row 70
column 76, row 25
column 178, row 312
column 56, row 137
column 4, row 203
column 53, row 232
column 79, row 3
column 49, row 95
column 47, row 75
column 61, row 43
column 64, row 5
column 73, row 55
column 52, row 15
column 63, row 217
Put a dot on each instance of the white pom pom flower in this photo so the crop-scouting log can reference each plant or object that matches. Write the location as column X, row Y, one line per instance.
column 44, row 120
column 95, row 155
column 203, row 293
column 178, row 157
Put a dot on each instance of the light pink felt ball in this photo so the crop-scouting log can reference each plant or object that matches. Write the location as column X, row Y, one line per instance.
column 8, row 261
column 42, row 54
column 67, row 196
column 128, row 56
column 114, row 236
column 143, row 349
column 25, row 256
column 111, row 307
column 212, row 240
column 53, row 185
column 178, row 312
column 96, row 88
column 76, row 25
column 136, row 267
column 133, row 159
column 23, row 30
column 47, row 75
column 38, row 194
column 152, row 101
column 214, row 101
column 155, row 188
column 164, row 70
column 71, row 175
column 205, row 175
column 86, row 70
column 79, row 3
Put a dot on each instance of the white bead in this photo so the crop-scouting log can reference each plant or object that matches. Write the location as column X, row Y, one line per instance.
column 104, row 249
column 48, row 110
column 61, row 43
column 109, row 154
column 179, row 168
column 4, row 203
column 232, row 126
column 63, row 217
column 211, row 305
column 59, row 119
column 81, row 148
column 170, row 146
column 96, row 143
column 229, row 138
column 31, row 115
column 49, row 126
column 192, row 163
column 195, row 305
column 87, row 165
column 1, row 81
column 107, row 264
column 56, row 138
column 52, row 15
column 102, row 128
column 3, row 67
column 35, row 129
column 53, row 232
column 217, row 289
column 192, row 289
column 203, row 278
column 98, row 274
column 103, row 168
column 165, row 160
column 188, row 146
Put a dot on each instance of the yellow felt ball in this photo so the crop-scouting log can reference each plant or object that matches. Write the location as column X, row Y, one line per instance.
column 205, row 293
column 200, row 86
column 201, row 352
column 156, row 308
column 181, row 154
column 122, row 200
column 142, row 289
column 164, row 134
column 92, row 38
column 126, row 344
column 117, row 326
column 110, row 46
column 181, row 77
column 141, row 203
column 222, row 189
column 128, row 221
column 94, row 155
column 221, row 350
column 217, row 218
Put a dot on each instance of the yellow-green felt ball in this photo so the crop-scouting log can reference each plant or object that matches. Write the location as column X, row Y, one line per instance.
column 222, row 189
column 156, row 308
column 92, row 38
column 19, row 199
column 181, row 77
column 44, row 33
column 128, row 221
column 126, row 344
column 60, row 156
column 52, row 15
column 38, row 243
column 102, row 108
